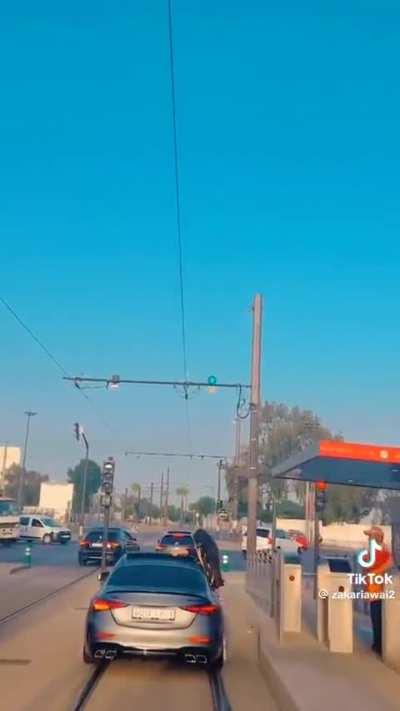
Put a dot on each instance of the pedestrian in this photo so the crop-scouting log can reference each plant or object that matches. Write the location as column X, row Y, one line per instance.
column 210, row 548
column 381, row 563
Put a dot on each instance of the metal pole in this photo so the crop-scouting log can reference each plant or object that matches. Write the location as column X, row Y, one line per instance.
column 252, row 490
column 151, row 501
column 106, row 525
column 161, row 494
column 20, row 495
column 236, row 464
column 219, row 465
column 84, row 484
column 316, row 545
column 125, row 505
column 166, row 500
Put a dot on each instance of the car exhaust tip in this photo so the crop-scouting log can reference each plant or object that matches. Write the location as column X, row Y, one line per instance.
column 99, row 653
column 201, row 659
column 190, row 659
column 110, row 654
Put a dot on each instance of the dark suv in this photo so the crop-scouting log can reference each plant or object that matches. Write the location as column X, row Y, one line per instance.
column 118, row 543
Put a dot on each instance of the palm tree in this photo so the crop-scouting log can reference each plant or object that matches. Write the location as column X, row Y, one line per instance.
column 137, row 490
column 183, row 492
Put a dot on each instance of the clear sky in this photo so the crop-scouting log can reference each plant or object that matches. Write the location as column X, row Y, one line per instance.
column 288, row 127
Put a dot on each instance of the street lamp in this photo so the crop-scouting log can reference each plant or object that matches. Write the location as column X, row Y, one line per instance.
column 20, row 495
column 79, row 432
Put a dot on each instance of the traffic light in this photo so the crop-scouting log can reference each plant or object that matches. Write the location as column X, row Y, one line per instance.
column 107, row 476
column 220, row 504
column 77, row 431
column 320, row 496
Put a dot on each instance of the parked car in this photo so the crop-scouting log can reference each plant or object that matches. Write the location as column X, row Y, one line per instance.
column 300, row 538
column 284, row 542
column 155, row 605
column 118, row 543
column 44, row 529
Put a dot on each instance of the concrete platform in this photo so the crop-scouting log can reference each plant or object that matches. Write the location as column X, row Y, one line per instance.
column 303, row 676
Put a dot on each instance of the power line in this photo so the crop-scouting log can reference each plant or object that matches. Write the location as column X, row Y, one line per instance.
column 49, row 355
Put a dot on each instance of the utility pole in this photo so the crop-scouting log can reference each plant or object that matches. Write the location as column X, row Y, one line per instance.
column 125, row 505
column 236, row 465
column 20, row 495
column 161, row 494
column 166, row 500
column 79, row 432
column 219, row 465
column 252, row 488
column 151, row 500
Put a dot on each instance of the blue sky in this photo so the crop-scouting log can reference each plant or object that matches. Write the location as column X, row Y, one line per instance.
column 288, row 118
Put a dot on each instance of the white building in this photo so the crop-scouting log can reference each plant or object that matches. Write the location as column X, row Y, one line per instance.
column 56, row 498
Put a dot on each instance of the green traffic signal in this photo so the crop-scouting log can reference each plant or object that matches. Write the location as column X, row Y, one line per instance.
column 212, row 380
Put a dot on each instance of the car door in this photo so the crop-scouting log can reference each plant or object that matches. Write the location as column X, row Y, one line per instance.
column 36, row 528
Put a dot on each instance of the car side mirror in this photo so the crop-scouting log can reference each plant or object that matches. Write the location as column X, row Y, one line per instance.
column 103, row 576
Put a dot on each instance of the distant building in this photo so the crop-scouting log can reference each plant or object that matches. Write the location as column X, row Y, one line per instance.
column 56, row 499
column 9, row 456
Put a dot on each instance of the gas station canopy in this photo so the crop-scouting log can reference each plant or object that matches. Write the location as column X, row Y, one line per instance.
column 337, row 462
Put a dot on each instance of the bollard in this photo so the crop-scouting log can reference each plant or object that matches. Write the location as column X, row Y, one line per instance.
column 28, row 556
column 225, row 562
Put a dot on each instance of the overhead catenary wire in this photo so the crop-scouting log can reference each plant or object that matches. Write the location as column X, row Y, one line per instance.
column 178, row 216
column 49, row 355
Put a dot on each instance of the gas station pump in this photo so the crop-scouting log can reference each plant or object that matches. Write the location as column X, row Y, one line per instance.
column 334, row 610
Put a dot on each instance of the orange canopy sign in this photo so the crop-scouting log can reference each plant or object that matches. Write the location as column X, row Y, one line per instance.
column 350, row 450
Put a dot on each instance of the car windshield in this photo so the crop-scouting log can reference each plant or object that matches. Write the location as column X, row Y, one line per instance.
column 160, row 578
column 96, row 536
column 8, row 508
column 262, row 532
column 50, row 522
column 177, row 539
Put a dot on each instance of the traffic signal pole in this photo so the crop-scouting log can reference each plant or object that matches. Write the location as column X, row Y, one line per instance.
column 107, row 485
column 252, row 487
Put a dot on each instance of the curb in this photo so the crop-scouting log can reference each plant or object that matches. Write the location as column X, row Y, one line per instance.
column 19, row 568
column 282, row 695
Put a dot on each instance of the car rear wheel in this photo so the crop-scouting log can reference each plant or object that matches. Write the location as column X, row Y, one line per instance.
column 47, row 538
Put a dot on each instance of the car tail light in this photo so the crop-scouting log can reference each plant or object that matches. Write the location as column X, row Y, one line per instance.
column 84, row 544
column 202, row 609
column 113, row 545
column 103, row 605
column 160, row 546
column 270, row 540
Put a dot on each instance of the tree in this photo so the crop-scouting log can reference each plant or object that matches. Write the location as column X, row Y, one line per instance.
column 31, row 488
column 205, row 505
column 283, row 432
column 93, row 481
column 183, row 492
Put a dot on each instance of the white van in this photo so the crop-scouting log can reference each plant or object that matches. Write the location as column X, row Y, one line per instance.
column 44, row 529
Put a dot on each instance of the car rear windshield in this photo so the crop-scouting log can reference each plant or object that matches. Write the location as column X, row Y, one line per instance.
column 159, row 578
column 177, row 539
column 94, row 536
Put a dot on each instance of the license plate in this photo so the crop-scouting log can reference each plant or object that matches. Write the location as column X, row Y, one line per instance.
column 97, row 545
column 153, row 614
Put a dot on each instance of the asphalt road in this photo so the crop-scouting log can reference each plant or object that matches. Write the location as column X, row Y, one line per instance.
column 48, row 555
column 40, row 648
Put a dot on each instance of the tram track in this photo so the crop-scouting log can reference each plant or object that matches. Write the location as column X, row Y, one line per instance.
column 219, row 700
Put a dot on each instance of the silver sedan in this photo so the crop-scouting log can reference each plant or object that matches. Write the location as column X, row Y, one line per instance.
column 155, row 605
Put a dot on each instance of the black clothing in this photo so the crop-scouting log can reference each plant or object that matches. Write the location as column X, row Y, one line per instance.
column 376, row 619
column 210, row 548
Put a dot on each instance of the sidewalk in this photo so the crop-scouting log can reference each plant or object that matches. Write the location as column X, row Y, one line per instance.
column 303, row 675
